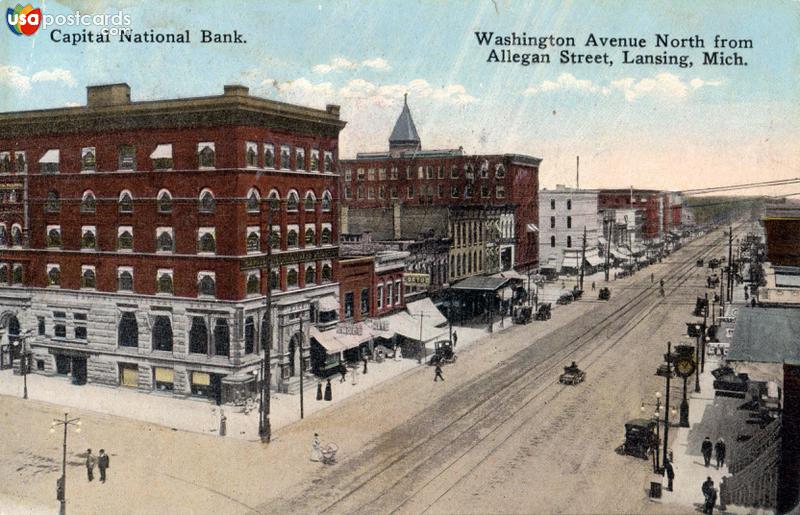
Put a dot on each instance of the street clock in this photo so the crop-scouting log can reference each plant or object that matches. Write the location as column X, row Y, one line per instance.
column 685, row 366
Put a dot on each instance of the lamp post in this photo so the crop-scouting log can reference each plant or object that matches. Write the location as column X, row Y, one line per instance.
column 61, row 483
column 665, row 371
column 696, row 372
column 22, row 342
column 657, row 416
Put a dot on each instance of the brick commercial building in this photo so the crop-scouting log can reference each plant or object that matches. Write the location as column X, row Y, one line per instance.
column 135, row 248
column 486, row 204
column 661, row 211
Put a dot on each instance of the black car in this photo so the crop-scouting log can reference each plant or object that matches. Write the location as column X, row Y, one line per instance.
column 604, row 294
column 543, row 312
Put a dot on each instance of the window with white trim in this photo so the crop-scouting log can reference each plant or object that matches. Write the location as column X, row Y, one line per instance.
column 326, row 201
column 53, row 274
column 206, row 240
column 269, row 155
column 20, row 161
column 292, row 235
column 285, row 158
column 49, row 161
column 328, row 162
column 379, row 296
column 165, row 240
column 88, row 277
column 17, row 273
column 53, row 238
column 125, row 203
column 327, row 271
column 314, row 160
column 164, row 201
column 126, row 157
column 88, row 237
column 253, row 201
column 253, row 239
column 125, row 238
column 206, row 201
column 309, row 233
column 253, row 283
column 206, row 284
column 88, row 159
column 292, row 276
column 300, row 158
column 161, row 157
column 164, row 282
column 326, row 236
column 125, row 278
column 206, row 154
column 88, row 202
column 310, row 276
column 251, row 154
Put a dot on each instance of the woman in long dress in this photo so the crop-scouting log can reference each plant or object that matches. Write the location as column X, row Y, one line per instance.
column 316, row 449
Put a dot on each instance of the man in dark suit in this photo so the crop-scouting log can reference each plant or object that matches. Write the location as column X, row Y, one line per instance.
column 670, row 474
column 102, row 464
column 707, row 448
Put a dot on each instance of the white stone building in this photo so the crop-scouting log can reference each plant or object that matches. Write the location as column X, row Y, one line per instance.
column 564, row 215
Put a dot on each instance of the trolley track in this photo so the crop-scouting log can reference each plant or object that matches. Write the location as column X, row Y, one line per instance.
column 503, row 396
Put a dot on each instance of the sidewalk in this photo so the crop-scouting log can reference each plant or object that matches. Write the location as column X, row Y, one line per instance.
column 201, row 416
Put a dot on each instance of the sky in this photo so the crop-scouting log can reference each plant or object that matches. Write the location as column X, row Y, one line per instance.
column 649, row 126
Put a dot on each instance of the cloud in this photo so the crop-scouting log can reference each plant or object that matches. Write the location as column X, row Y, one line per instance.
column 566, row 81
column 13, row 76
column 699, row 83
column 305, row 92
column 341, row 63
column 664, row 85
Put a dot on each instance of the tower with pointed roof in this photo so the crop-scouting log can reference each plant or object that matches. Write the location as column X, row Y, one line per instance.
column 404, row 135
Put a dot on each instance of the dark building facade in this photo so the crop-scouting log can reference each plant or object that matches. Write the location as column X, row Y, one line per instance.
column 137, row 242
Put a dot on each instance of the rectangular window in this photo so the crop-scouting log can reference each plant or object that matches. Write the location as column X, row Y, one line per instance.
column 360, row 192
column 552, row 203
column 129, row 375
column 409, row 175
column 410, row 193
column 429, row 172
column 364, row 302
column 314, row 160
column 440, row 172
column 126, row 157
column 381, row 174
column 569, row 222
column 379, row 297
column 370, row 192
column 40, row 323
column 285, row 157
column 500, row 191
column 348, row 304
column 20, row 161
column 393, row 191
column 251, row 154
column 348, row 175
column 206, row 155
column 454, row 191
column 88, row 159
column 5, row 162
column 454, row 172
column 162, row 157
column 59, row 324
column 420, row 172
column 300, row 159
column 484, row 191
column 360, row 174
column 389, row 293
column 328, row 162
column 397, row 291
column 269, row 155
column 348, row 192
column 371, row 174
column 382, row 192
column 124, row 278
column 552, row 222
column 164, row 379
column 393, row 173
column 440, row 190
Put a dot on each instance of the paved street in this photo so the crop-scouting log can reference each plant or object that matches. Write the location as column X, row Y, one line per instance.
column 495, row 435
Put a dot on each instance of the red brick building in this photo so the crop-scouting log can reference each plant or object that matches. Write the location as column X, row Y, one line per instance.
column 407, row 191
column 136, row 242
column 661, row 211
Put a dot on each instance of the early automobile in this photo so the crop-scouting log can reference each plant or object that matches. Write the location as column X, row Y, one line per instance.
column 444, row 353
column 640, row 437
column 700, row 263
column 572, row 375
column 543, row 313
column 604, row 294
column 522, row 314
column 576, row 294
column 565, row 298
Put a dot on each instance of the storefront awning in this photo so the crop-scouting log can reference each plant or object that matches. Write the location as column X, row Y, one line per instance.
column 51, row 156
column 532, row 228
column 425, row 307
column 162, row 152
column 328, row 303
column 594, row 260
column 335, row 343
column 511, row 274
column 481, row 283
column 405, row 325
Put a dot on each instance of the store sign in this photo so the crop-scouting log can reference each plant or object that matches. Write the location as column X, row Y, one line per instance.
column 378, row 324
column 410, row 279
column 286, row 258
column 349, row 329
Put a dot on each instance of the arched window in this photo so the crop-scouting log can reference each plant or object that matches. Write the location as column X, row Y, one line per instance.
column 207, row 286
column 207, row 243
column 88, row 202
column 164, row 201
column 253, row 199
column 291, row 278
column 292, row 200
column 54, row 276
column 327, row 272
column 309, row 236
column 253, row 284
column 54, row 237
column 249, row 335
column 274, row 200
column 310, row 201
column 53, row 204
column 125, row 281
column 128, row 330
column 16, row 235
column 125, row 240
column 253, row 242
column 291, row 238
column 165, row 283
column 165, row 242
column 326, row 201
column 88, row 279
column 311, row 275
column 207, row 203
column 88, row 240
column 206, row 155
column 222, row 337
column 198, row 336
column 125, row 202
column 326, row 236
column 162, row 333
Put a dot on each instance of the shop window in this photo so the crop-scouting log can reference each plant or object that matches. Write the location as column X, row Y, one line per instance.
column 164, row 379
column 249, row 335
column 201, row 384
column 222, row 337
column 126, row 155
column 129, row 375
column 162, row 333
column 198, row 336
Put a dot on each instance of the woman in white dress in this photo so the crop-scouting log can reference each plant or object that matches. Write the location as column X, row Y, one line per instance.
column 316, row 449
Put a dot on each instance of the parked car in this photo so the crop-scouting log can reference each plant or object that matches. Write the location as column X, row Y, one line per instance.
column 604, row 294
column 640, row 437
column 544, row 312
column 522, row 314
column 565, row 298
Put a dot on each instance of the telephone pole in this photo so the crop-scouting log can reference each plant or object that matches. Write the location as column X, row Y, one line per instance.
column 608, row 248
column 730, row 263
column 264, row 427
column 583, row 256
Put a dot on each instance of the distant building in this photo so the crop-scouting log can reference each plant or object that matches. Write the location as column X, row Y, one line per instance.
column 565, row 215
column 444, row 193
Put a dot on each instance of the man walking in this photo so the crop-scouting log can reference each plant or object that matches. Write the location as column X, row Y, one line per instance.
column 652, row 277
column 670, row 474
column 708, row 485
column 90, row 461
column 719, row 449
column 711, row 500
column 593, row 286
column 342, row 372
column 706, row 448
column 102, row 464
column 455, row 339
column 438, row 375
column 364, row 359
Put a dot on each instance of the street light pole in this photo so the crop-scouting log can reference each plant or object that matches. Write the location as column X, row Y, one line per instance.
column 61, row 483
column 666, row 405
column 264, row 426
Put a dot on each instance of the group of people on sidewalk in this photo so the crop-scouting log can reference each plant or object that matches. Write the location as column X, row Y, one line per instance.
column 101, row 461
column 718, row 448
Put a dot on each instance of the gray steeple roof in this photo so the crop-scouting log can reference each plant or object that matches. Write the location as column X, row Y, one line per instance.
column 404, row 131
